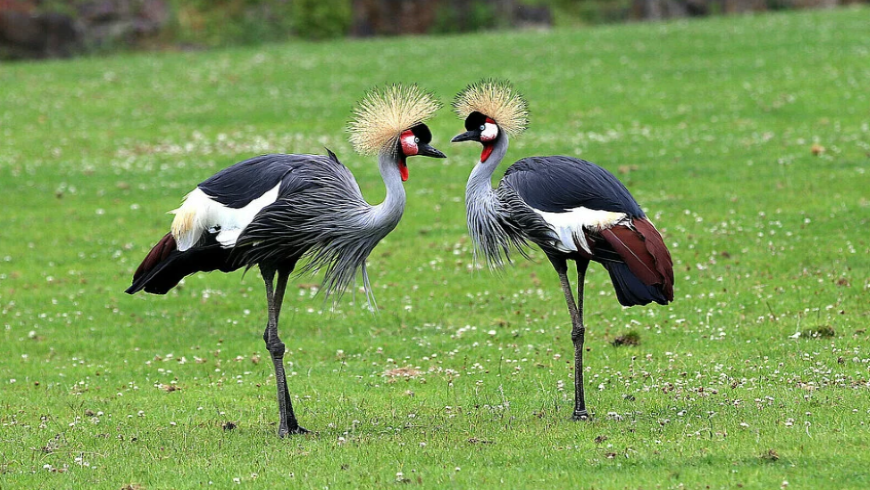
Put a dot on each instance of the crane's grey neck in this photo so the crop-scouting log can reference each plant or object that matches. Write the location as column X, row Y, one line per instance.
column 480, row 180
column 363, row 227
column 387, row 214
column 485, row 214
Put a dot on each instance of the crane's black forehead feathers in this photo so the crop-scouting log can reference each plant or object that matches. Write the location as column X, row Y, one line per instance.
column 422, row 131
column 474, row 121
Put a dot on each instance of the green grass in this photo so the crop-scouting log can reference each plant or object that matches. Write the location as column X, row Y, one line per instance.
column 711, row 124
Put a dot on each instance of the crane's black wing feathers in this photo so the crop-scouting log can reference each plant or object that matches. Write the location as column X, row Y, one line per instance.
column 556, row 184
column 239, row 184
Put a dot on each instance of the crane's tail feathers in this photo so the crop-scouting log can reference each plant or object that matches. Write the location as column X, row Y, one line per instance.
column 153, row 263
column 630, row 290
column 160, row 279
column 158, row 254
column 165, row 266
column 646, row 259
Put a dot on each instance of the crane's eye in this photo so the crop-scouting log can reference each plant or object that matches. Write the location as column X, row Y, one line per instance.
column 482, row 127
column 416, row 140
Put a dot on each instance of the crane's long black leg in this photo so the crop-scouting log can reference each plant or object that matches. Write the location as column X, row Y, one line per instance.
column 275, row 298
column 578, row 336
column 578, row 332
column 280, row 287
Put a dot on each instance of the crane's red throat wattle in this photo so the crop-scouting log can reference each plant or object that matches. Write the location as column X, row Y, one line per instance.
column 487, row 151
column 403, row 169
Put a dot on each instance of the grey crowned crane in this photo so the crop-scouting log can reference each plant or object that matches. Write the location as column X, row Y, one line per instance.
column 275, row 210
column 570, row 208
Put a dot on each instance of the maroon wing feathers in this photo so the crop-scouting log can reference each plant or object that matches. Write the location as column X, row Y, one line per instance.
column 157, row 254
column 655, row 245
column 629, row 245
column 644, row 252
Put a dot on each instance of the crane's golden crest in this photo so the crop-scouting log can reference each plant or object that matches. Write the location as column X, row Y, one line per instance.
column 383, row 114
column 496, row 99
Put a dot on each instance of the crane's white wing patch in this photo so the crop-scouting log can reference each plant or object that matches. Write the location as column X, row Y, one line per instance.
column 570, row 226
column 199, row 212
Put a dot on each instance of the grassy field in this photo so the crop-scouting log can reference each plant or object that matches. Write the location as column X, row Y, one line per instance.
column 746, row 139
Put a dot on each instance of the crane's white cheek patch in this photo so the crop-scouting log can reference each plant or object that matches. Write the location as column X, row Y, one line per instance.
column 570, row 226
column 489, row 133
column 199, row 212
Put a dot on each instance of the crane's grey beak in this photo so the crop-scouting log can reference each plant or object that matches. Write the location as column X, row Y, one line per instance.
column 466, row 136
column 425, row 150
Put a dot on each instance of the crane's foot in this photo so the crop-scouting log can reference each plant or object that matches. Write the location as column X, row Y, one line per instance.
column 582, row 415
column 284, row 432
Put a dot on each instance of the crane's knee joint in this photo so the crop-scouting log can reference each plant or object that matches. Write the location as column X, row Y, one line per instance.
column 276, row 348
column 578, row 334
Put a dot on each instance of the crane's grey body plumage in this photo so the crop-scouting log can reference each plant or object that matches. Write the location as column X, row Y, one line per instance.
column 320, row 215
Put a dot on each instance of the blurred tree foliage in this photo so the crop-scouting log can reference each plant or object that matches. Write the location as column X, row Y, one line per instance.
column 475, row 15
column 227, row 22
column 321, row 19
column 573, row 12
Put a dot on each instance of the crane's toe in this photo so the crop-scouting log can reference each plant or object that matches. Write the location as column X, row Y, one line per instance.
column 284, row 432
column 582, row 415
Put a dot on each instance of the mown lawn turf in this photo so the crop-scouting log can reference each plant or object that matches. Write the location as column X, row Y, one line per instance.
column 746, row 139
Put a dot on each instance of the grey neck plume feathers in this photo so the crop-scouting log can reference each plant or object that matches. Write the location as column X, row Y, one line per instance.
column 488, row 220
